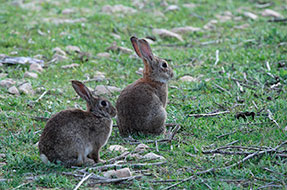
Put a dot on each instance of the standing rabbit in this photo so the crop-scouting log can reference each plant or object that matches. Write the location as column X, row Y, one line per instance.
column 141, row 105
column 72, row 136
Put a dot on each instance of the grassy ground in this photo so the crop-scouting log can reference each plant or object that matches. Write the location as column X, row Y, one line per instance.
column 243, row 54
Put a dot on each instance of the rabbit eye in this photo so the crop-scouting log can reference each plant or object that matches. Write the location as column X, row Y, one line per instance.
column 104, row 103
column 164, row 65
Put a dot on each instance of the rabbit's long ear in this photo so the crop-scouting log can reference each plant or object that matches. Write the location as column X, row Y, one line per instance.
column 134, row 41
column 82, row 91
column 145, row 50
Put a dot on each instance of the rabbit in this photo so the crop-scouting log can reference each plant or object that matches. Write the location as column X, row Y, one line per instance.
column 72, row 136
column 141, row 105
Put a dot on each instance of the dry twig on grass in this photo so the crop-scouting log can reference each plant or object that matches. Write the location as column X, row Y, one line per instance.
column 252, row 155
column 82, row 181
column 209, row 114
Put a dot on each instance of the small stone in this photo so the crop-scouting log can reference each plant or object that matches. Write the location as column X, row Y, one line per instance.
column 124, row 172
column 59, row 51
column 58, row 58
column 101, row 89
column 250, row 15
column 13, row 90
column 141, row 147
column 108, row 9
column 152, row 155
column 117, row 148
column 125, row 50
column 39, row 56
column 114, row 47
column 149, row 41
column 210, row 25
column 116, row 36
column 30, row 75
column 40, row 90
column 68, row 11
column 188, row 79
column 189, row 5
column 172, row 8
column 35, row 67
column 185, row 29
column 140, row 71
column 3, row 75
column 7, row 82
column 243, row 26
column 26, row 88
column 166, row 34
column 99, row 76
column 70, row 66
column 104, row 55
column 271, row 13
column 3, row 56
column 73, row 49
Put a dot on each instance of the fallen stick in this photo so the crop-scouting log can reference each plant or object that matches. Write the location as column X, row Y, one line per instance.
column 82, row 181
column 209, row 114
column 42, row 95
column 138, row 165
column 271, row 150
column 272, row 119
column 222, row 89
column 216, row 57
column 230, row 166
column 190, row 178
column 278, row 20
column 117, row 180
column 118, row 157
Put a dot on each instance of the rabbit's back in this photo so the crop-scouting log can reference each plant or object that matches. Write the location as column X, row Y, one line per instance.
column 140, row 108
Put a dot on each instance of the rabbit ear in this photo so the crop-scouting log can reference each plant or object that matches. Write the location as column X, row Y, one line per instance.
column 82, row 91
column 134, row 41
column 145, row 50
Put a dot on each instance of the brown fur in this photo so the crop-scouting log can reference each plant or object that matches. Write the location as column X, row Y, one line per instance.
column 141, row 105
column 71, row 136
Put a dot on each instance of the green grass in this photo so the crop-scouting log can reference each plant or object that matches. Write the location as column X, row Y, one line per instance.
column 240, row 51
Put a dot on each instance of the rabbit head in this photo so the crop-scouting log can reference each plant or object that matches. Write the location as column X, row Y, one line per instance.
column 98, row 106
column 156, row 69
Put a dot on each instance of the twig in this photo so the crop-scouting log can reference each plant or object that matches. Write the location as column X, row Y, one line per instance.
column 230, row 166
column 209, row 114
column 164, row 181
column 190, row 178
column 269, row 186
column 203, row 181
column 42, row 95
column 231, row 143
column 118, row 157
column 254, row 155
column 216, row 57
column 174, row 131
column 156, row 146
column 268, row 66
column 272, row 119
column 117, row 180
column 222, row 89
column 278, row 20
column 138, row 165
column 82, row 181
column 147, row 141
column 39, row 118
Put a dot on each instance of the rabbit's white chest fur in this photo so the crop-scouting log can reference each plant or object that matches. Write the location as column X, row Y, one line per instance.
column 88, row 149
column 110, row 132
